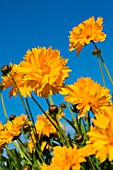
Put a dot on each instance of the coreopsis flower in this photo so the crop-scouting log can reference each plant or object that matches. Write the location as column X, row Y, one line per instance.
column 20, row 121
column 12, row 129
column 43, row 128
column 87, row 95
column 66, row 158
column 101, row 135
column 42, row 71
column 85, row 32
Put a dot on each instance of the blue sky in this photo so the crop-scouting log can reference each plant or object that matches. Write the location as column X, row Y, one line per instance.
column 25, row 24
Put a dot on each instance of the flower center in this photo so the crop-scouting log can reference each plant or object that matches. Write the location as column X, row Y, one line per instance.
column 45, row 69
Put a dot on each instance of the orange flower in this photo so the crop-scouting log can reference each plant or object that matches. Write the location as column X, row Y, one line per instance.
column 11, row 129
column 101, row 135
column 43, row 127
column 66, row 158
column 87, row 95
column 84, row 33
column 42, row 71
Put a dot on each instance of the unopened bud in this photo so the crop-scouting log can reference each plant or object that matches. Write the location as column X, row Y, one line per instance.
column 79, row 138
column 12, row 117
column 26, row 167
column 5, row 70
column 53, row 109
column 96, row 52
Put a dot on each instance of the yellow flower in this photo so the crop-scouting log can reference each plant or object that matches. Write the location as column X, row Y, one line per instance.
column 19, row 121
column 87, row 95
column 101, row 135
column 42, row 71
column 66, row 158
column 84, row 33
column 43, row 127
column 11, row 129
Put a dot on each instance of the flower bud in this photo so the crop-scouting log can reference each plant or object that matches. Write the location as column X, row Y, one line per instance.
column 26, row 167
column 26, row 128
column 12, row 117
column 79, row 138
column 53, row 109
column 96, row 52
column 63, row 106
column 5, row 70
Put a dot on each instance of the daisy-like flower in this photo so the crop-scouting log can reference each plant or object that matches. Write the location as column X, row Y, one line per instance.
column 11, row 129
column 84, row 33
column 66, row 158
column 43, row 127
column 42, row 71
column 101, row 135
column 87, row 95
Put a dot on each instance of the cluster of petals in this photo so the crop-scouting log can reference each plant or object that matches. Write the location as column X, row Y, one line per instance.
column 87, row 95
column 101, row 135
column 43, row 128
column 12, row 129
column 66, row 158
column 85, row 32
column 42, row 71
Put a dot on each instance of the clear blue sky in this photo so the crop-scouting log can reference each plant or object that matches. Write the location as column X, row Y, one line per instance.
column 25, row 24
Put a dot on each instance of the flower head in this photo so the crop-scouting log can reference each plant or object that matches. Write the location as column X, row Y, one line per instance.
column 87, row 95
column 43, row 128
column 42, row 71
column 67, row 158
column 11, row 129
column 84, row 33
column 101, row 135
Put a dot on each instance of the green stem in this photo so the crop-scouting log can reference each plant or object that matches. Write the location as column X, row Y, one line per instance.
column 21, row 97
column 3, row 105
column 103, row 80
column 102, row 60
column 44, row 112
column 51, row 100
column 62, row 133
column 47, row 102
column 21, row 152
column 93, row 164
column 35, row 134
column 74, row 120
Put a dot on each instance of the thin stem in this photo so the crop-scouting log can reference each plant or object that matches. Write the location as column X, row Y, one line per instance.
column 107, row 71
column 44, row 112
column 22, row 153
column 35, row 133
column 30, row 111
column 21, row 97
column 93, row 164
column 47, row 102
column 103, row 80
column 62, row 133
column 51, row 100
column 3, row 105
column 74, row 120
